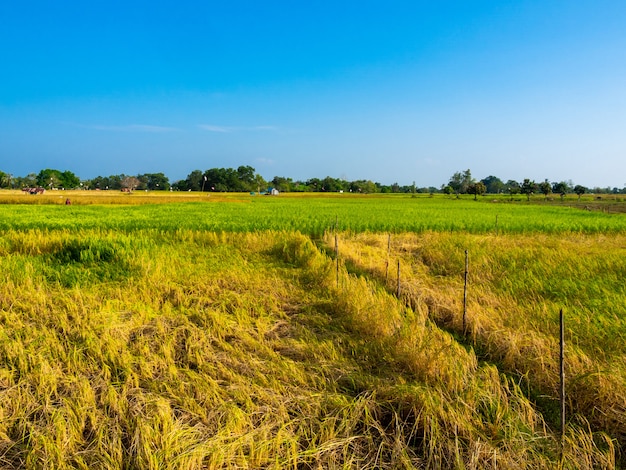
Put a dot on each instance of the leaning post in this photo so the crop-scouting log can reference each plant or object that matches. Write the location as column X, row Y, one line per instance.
column 562, row 377
column 337, row 257
column 465, row 293
column 398, row 287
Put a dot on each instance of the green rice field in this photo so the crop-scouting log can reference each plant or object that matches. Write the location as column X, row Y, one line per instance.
column 165, row 331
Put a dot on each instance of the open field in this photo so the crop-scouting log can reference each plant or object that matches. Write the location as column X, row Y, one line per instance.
column 220, row 333
column 311, row 214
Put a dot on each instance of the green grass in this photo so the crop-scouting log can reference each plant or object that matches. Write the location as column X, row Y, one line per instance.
column 314, row 215
column 217, row 335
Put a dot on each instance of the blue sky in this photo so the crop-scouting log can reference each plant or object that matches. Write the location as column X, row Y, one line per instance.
column 395, row 91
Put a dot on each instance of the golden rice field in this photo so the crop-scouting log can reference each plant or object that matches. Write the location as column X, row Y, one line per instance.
column 159, row 343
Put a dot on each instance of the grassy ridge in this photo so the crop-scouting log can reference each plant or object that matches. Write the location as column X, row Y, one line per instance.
column 200, row 350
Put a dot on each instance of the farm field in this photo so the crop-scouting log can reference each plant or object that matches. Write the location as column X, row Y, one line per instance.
column 222, row 333
column 311, row 214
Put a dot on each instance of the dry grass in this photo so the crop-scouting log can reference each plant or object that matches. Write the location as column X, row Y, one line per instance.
column 202, row 350
column 517, row 285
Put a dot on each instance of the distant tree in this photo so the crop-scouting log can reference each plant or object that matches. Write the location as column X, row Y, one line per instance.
column 447, row 189
column 512, row 187
column 243, row 179
column 580, row 190
column 130, row 183
column 154, row 181
column 50, row 179
column 546, row 188
column 259, row 182
column 221, row 179
column 282, row 184
column 28, row 181
column 5, row 180
column 69, row 180
column 299, row 186
column 362, row 186
column 313, row 184
column 493, row 184
column 329, row 185
column 115, row 181
column 193, row 182
column 561, row 188
column 477, row 189
column 528, row 188
column 106, row 182
column 246, row 179
column 460, row 181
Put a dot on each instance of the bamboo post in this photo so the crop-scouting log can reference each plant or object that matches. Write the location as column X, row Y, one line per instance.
column 337, row 256
column 465, row 293
column 398, row 288
column 562, row 376
column 387, row 264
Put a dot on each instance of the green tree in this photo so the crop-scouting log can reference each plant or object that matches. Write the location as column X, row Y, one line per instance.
column 283, row 184
column 561, row 188
column 246, row 179
column 193, row 182
column 313, row 184
column 155, row 181
column 28, row 181
column 580, row 190
column 546, row 188
column 259, row 183
column 477, row 189
column 69, row 180
column 460, row 181
column 333, row 185
column 5, row 180
column 362, row 186
column 512, row 187
column 51, row 179
column 528, row 188
column 493, row 184
column 106, row 182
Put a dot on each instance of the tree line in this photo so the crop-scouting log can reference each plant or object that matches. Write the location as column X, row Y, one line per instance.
column 462, row 182
column 246, row 179
column 241, row 179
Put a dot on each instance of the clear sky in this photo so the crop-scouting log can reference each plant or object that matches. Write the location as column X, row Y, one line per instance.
column 394, row 91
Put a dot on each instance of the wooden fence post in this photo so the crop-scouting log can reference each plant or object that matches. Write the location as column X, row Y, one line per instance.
column 562, row 377
column 465, row 293
column 398, row 288
column 337, row 257
column 387, row 264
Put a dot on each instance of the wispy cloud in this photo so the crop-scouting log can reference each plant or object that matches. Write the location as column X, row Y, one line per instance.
column 211, row 128
column 265, row 161
column 128, row 128
column 227, row 129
